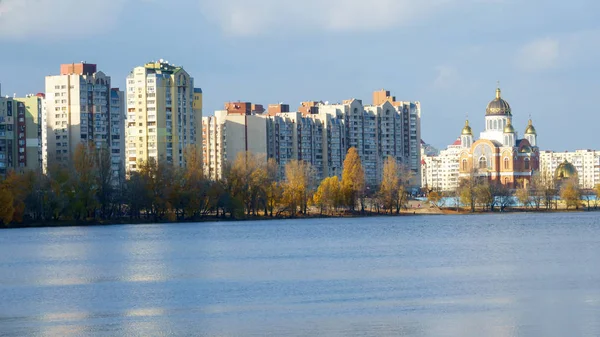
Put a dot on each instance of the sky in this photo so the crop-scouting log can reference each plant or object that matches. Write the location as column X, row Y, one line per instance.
column 447, row 54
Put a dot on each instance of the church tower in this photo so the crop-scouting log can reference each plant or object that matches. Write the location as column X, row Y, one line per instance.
column 466, row 136
column 497, row 116
column 530, row 134
column 509, row 135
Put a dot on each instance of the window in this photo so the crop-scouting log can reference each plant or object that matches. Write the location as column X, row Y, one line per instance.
column 464, row 164
column 482, row 163
column 506, row 163
column 527, row 164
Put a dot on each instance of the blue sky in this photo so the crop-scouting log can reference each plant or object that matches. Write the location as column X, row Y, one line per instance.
column 448, row 54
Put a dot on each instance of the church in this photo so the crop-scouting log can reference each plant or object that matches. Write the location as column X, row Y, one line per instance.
column 499, row 155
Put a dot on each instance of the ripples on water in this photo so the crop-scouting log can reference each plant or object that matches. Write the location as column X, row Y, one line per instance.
column 490, row 275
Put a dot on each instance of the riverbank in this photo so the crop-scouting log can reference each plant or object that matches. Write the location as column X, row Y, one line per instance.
column 414, row 208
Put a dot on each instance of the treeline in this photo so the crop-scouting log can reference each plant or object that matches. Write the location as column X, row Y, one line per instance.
column 86, row 191
column 541, row 193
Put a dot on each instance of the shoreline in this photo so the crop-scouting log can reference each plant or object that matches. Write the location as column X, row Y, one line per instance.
column 416, row 211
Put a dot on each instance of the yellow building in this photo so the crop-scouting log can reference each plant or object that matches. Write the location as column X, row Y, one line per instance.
column 164, row 115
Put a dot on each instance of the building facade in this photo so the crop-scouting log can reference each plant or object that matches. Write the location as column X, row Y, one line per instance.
column 409, row 116
column 117, row 133
column 164, row 115
column 585, row 162
column 20, row 134
column 237, row 129
column 440, row 171
column 318, row 133
column 78, row 110
column 499, row 156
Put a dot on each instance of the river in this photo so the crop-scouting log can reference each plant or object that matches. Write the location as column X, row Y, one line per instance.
column 471, row 275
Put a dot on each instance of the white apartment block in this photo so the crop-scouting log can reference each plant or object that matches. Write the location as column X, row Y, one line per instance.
column 226, row 134
column 77, row 111
column 587, row 163
column 164, row 115
column 321, row 134
column 441, row 172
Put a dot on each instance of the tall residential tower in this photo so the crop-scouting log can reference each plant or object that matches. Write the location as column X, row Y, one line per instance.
column 78, row 110
column 164, row 115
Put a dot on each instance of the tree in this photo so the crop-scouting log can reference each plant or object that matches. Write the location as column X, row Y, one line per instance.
column 483, row 195
column 523, row 196
column 390, row 184
column 501, row 195
column 104, row 181
column 588, row 195
column 353, row 179
column 536, row 190
column 327, row 196
column 84, row 184
column 6, row 206
column 298, row 185
column 434, row 197
column 570, row 193
column 466, row 190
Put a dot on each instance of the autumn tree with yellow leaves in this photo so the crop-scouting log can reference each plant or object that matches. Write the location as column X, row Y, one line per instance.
column 298, row 186
column 353, row 179
column 328, row 195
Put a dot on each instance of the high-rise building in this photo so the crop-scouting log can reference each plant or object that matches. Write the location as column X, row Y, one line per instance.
column 164, row 112
column 293, row 136
column 77, row 110
column 237, row 129
column 117, row 133
column 34, row 109
column 20, row 133
column 321, row 134
column 410, row 124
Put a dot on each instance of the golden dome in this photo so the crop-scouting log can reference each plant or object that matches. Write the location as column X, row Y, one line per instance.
column 498, row 106
column 565, row 170
column 509, row 128
column 530, row 129
column 467, row 129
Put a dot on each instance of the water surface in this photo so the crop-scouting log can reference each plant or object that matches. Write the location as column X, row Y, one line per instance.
column 476, row 275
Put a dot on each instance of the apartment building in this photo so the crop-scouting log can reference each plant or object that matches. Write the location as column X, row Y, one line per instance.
column 164, row 112
column 320, row 134
column 410, row 121
column 20, row 133
column 117, row 133
column 586, row 162
column 239, row 128
column 77, row 110
column 440, row 172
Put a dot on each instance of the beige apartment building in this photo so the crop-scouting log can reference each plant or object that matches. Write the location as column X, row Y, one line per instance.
column 80, row 109
column 237, row 129
column 164, row 114
column 20, row 133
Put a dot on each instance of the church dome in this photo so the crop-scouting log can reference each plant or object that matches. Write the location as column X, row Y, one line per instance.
column 565, row 170
column 530, row 129
column 467, row 129
column 498, row 107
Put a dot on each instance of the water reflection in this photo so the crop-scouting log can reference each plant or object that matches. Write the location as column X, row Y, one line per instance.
column 505, row 275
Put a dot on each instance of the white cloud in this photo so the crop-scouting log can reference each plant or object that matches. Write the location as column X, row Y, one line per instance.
column 253, row 17
column 55, row 19
column 538, row 55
